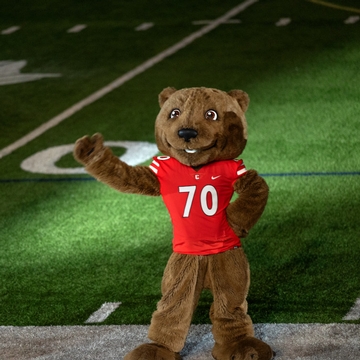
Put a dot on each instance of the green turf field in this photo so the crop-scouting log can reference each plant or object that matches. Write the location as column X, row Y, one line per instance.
column 69, row 244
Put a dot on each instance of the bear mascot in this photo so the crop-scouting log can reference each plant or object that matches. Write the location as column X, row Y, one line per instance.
column 200, row 132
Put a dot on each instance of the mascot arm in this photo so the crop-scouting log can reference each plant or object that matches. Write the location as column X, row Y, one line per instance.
column 100, row 162
column 245, row 211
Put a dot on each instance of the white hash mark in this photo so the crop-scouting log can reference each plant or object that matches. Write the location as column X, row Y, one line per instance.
column 352, row 19
column 144, row 26
column 77, row 28
column 10, row 30
column 103, row 313
column 283, row 22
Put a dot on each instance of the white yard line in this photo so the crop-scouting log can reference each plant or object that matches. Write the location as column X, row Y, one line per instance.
column 354, row 313
column 205, row 22
column 124, row 78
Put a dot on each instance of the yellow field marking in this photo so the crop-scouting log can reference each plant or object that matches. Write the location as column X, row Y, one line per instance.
column 335, row 6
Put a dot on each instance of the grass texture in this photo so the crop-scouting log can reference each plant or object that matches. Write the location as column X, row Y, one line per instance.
column 69, row 246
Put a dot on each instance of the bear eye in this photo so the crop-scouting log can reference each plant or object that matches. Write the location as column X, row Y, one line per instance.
column 175, row 113
column 211, row 115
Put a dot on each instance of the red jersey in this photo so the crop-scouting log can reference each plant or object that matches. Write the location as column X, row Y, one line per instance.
column 197, row 202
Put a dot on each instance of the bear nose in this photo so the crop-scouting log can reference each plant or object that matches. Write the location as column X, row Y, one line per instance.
column 187, row 134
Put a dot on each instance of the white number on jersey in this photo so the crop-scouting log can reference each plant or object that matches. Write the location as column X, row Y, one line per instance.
column 208, row 189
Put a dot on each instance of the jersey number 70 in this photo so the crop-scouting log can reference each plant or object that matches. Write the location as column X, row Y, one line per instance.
column 192, row 191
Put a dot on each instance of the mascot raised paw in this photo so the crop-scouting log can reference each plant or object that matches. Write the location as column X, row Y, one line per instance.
column 200, row 132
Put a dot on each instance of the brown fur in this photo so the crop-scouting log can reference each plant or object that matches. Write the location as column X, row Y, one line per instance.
column 106, row 167
column 225, row 274
column 217, row 140
column 185, row 277
column 152, row 351
column 244, row 212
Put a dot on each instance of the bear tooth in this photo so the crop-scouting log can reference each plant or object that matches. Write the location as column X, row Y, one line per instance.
column 189, row 151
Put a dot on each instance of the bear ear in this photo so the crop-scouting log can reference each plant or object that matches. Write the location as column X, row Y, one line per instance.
column 241, row 97
column 165, row 94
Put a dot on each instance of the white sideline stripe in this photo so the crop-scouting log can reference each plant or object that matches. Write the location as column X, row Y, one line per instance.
column 10, row 30
column 113, row 342
column 124, row 78
column 354, row 313
column 77, row 28
column 103, row 313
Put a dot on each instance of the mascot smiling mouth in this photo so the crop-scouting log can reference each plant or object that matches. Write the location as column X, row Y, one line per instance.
column 190, row 150
column 193, row 151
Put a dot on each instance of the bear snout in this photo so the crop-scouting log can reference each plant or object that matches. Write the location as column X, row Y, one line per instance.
column 187, row 134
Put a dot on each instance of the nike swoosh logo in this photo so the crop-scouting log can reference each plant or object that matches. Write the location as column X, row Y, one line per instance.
column 215, row 177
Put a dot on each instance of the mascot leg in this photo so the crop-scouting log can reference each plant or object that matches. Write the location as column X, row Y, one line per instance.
column 233, row 332
column 181, row 288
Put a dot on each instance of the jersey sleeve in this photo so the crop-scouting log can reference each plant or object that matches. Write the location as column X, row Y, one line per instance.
column 241, row 169
column 162, row 166
column 155, row 166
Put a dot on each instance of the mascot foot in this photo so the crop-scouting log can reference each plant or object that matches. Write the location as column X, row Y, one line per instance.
column 249, row 348
column 152, row 352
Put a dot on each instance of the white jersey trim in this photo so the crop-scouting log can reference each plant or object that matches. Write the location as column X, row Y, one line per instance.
column 241, row 171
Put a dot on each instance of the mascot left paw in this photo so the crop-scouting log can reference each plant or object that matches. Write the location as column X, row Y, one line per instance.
column 152, row 352
column 248, row 348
